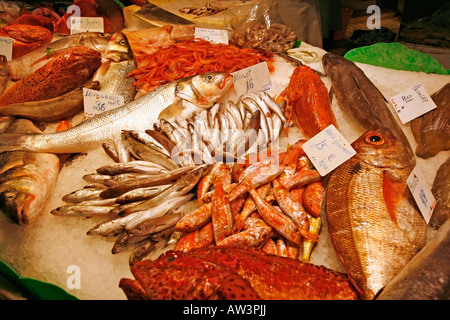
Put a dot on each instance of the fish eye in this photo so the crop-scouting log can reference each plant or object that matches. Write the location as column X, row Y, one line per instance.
column 103, row 35
column 9, row 196
column 122, row 42
column 375, row 138
column 208, row 77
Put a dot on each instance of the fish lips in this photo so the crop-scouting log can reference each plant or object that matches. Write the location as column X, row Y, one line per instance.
column 17, row 205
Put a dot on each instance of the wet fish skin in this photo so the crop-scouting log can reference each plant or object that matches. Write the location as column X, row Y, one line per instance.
column 373, row 222
column 26, row 179
column 358, row 97
column 426, row 276
column 441, row 191
column 139, row 115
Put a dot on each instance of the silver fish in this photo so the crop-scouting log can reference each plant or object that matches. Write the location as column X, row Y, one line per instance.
column 26, row 179
column 167, row 101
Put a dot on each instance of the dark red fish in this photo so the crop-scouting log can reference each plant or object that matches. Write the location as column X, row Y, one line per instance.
column 233, row 273
column 26, row 37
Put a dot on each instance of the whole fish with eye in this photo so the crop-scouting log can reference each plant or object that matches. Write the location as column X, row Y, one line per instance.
column 178, row 98
column 27, row 64
column 373, row 222
column 117, row 62
column 26, row 179
column 358, row 97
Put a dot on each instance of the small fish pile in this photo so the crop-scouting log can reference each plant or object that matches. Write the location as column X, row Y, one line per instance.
column 216, row 273
column 206, row 10
column 142, row 196
column 264, row 204
column 225, row 132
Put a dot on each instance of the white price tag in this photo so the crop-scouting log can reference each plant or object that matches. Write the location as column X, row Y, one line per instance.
column 422, row 193
column 96, row 102
column 252, row 79
column 412, row 103
column 6, row 47
column 328, row 149
column 212, row 35
column 86, row 24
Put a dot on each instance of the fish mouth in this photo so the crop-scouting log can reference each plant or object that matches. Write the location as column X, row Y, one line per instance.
column 227, row 81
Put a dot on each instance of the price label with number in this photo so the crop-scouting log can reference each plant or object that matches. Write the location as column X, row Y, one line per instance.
column 328, row 149
column 412, row 103
column 96, row 102
column 86, row 24
column 421, row 193
column 212, row 35
column 6, row 47
column 252, row 79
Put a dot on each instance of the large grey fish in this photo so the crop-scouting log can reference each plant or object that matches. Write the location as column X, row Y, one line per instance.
column 27, row 64
column 426, row 276
column 360, row 99
column 26, row 179
column 117, row 62
column 180, row 97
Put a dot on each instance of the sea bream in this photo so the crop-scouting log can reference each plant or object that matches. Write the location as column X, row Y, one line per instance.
column 178, row 98
column 373, row 222
column 26, row 179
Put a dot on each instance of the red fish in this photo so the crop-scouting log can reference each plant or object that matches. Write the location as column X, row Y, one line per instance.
column 233, row 273
column 26, row 37
column 64, row 73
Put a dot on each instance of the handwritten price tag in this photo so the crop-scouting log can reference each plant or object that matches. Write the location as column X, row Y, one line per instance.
column 6, row 47
column 252, row 79
column 328, row 149
column 422, row 193
column 96, row 102
column 212, row 35
column 86, row 24
column 412, row 103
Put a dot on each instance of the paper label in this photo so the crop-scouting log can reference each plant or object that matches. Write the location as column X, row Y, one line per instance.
column 96, row 102
column 6, row 47
column 252, row 79
column 212, row 35
column 328, row 149
column 412, row 103
column 86, row 24
column 422, row 193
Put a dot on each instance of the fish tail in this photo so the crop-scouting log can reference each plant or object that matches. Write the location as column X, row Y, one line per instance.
column 12, row 142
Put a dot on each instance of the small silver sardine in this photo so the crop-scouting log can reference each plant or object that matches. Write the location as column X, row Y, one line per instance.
column 199, row 91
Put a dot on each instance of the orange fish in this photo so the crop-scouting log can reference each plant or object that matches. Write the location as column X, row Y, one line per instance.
column 26, row 37
column 64, row 73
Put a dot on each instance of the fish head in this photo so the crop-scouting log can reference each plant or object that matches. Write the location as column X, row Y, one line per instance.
column 17, row 201
column 118, row 48
column 381, row 149
column 96, row 40
column 204, row 89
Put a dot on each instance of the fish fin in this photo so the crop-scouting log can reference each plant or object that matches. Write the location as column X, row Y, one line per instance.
column 393, row 192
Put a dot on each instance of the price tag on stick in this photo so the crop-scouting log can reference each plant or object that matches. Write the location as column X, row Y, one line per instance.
column 6, row 47
column 252, row 79
column 96, row 102
column 328, row 149
column 422, row 193
column 212, row 35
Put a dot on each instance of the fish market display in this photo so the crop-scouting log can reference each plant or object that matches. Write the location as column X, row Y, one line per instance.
column 26, row 38
column 441, row 191
column 201, row 90
column 55, row 109
column 233, row 273
column 26, row 179
column 432, row 130
column 359, row 97
column 307, row 99
column 61, row 75
column 373, row 223
column 117, row 62
column 27, row 64
column 192, row 57
column 426, row 276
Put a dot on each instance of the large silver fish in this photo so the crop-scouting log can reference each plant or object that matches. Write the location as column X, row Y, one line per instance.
column 117, row 62
column 178, row 98
column 26, row 179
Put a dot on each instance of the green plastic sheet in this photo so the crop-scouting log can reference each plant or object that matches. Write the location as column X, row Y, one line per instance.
column 396, row 56
column 12, row 286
